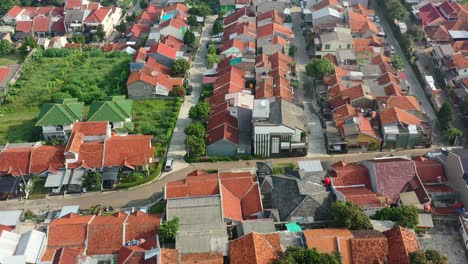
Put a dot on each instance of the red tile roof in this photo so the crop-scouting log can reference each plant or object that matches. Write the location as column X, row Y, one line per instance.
column 344, row 174
column 327, row 240
column 387, row 78
column 369, row 247
column 343, row 112
column 97, row 16
column 458, row 61
column 429, row 170
column 96, row 128
column 177, row 6
column 47, row 158
column 361, row 23
column 239, row 29
column 255, row 248
column 429, row 15
column 401, row 242
column 163, row 49
column 89, row 156
column 68, row 231
column 146, row 18
column 4, row 73
column 5, row 228
column 392, row 175
column 221, row 118
column 404, row 102
column 15, row 161
column 59, row 26
column 225, row 132
column 326, row 3
column 73, row 4
column 201, row 258
column 175, row 22
column 24, row 26
column 134, row 150
column 438, row 33
column 361, row 196
column 229, row 78
column 67, row 255
column 14, row 11
column 272, row 29
column 41, row 24
column 244, row 11
column 105, row 234
column 173, row 42
column 393, row 89
column 395, row 114
column 140, row 56
column 131, row 255
column 141, row 226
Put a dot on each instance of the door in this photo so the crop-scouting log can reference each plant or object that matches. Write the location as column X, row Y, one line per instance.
column 275, row 145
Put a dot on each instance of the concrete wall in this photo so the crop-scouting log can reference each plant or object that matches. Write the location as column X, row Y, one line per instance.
column 222, row 148
column 326, row 20
column 140, row 90
column 454, row 172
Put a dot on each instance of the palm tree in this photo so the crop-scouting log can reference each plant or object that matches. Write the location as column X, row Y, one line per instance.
column 212, row 59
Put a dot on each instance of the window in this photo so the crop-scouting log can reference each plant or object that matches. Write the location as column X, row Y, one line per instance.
column 349, row 46
column 327, row 46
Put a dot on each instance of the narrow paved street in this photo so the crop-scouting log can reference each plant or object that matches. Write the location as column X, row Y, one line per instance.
column 177, row 149
column 306, row 92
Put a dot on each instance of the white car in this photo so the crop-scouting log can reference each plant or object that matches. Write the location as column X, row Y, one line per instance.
column 377, row 19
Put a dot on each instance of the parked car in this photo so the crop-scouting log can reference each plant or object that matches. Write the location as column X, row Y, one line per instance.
column 392, row 49
column 377, row 19
column 189, row 90
column 168, row 166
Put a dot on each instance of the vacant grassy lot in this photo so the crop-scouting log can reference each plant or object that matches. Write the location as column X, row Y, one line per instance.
column 16, row 57
column 87, row 75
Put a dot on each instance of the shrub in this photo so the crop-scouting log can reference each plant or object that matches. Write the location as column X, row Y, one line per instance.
column 406, row 216
column 199, row 111
column 168, row 230
column 350, row 215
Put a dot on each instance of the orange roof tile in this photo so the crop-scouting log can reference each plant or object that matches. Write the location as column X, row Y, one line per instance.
column 327, row 241
column 47, row 158
column 15, row 161
column 273, row 29
column 201, row 258
column 176, row 6
column 395, row 114
column 255, row 248
column 24, row 26
column 96, row 128
column 98, row 15
column 105, row 234
column 401, row 242
column 369, row 246
column 14, row 11
column 135, row 150
column 68, row 231
column 404, row 102
column 393, row 89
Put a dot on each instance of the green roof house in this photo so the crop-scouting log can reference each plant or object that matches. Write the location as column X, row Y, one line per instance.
column 115, row 109
column 56, row 119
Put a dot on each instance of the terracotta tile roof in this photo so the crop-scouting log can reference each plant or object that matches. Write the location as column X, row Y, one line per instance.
column 430, row 15
column 219, row 119
column 360, row 23
column 369, row 41
column 5, row 228
column 356, row 92
column 176, row 6
column 401, row 242
column 429, row 170
column 41, row 24
column 67, row 255
column 349, row 174
column 175, row 22
column 343, row 112
column 255, row 248
column 134, row 150
column 233, row 17
column 73, row 4
column 228, row 78
column 163, row 49
column 201, row 258
column 331, row 58
column 131, row 255
column 68, row 231
column 4, row 73
column 74, row 142
column 326, row 3
column 273, row 16
column 226, row 132
column 272, row 29
column 15, row 161
column 173, row 42
column 97, row 16
column 332, row 80
column 231, row 205
column 140, row 55
column 89, row 156
column 59, row 26
column 458, row 61
column 146, row 18
column 24, row 26
column 274, row 88
column 380, row 59
column 387, row 78
column 361, row 196
column 153, row 65
column 395, row 114
column 369, row 247
column 90, row 128
column 279, row 40
column 404, row 102
column 47, row 158
column 392, row 176
column 141, row 226
column 105, row 234
column 438, row 33
column 137, row 30
column 459, row 46
column 242, row 46
column 327, row 240
column 393, row 89
column 361, row 9
column 14, row 11
column 154, row 9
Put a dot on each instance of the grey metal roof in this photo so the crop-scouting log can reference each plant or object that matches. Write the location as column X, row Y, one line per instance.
column 327, row 37
column 195, row 210
column 310, row 165
column 76, row 16
column 202, row 238
column 259, row 226
column 77, row 178
column 285, row 113
column 69, row 209
column 382, row 225
column 31, row 245
column 292, row 239
column 110, row 173
column 10, row 217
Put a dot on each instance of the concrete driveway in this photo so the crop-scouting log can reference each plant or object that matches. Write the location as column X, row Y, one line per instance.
column 177, row 149
column 306, row 92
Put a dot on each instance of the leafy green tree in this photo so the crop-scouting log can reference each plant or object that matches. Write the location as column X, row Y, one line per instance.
column 405, row 215
column 6, row 5
column 429, row 256
column 445, row 116
column 189, row 38
column 292, row 50
column 106, row 3
column 212, row 59
column 296, row 255
column 196, row 145
column 397, row 62
column 168, row 230
column 143, row 4
column 199, row 111
column 217, row 27
column 200, row 10
column 30, row 42
column 212, row 49
column 180, row 67
column 79, row 39
column 350, row 215
column 5, row 47
column 319, row 68
column 452, row 133
column 179, row 91
column 196, row 129
column 416, row 33
column 396, row 10
column 122, row 27
column 409, row 45
column 192, row 20
column 100, row 32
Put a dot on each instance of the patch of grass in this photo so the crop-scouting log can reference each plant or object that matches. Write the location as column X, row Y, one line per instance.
column 38, row 191
column 16, row 57
column 157, row 208
column 282, row 167
column 18, row 127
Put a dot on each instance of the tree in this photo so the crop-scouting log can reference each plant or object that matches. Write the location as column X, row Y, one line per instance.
column 189, row 38
column 196, row 129
column 416, row 33
column 199, row 111
column 292, row 50
column 200, row 10
column 106, row 3
column 192, row 20
column 396, row 10
column 350, row 215
column 212, row 49
column 405, row 215
column 465, row 104
column 122, row 27
column 296, row 255
column 79, row 39
column 179, row 91
column 196, row 145
column 5, row 6
column 180, row 67
column 100, row 32
column 143, row 4
column 212, row 59
column 445, row 116
column 168, row 230
column 5, row 47
column 397, row 62
column 409, row 44
column 319, row 68
column 429, row 256
column 451, row 134
column 217, row 27
column 29, row 43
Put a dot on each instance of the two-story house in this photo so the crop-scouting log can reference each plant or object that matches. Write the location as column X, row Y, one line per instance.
column 148, row 83
column 238, row 48
column 105, row 16
column 327, row 16
column 56, row 119
column 331, row 41
column 74, row 20
column 175, row 27
column 163, row 54
column 115, row 109
column 278, row 128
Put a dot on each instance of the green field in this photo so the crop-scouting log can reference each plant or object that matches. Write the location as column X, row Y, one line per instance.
column 87, row 75
column 16, row 57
